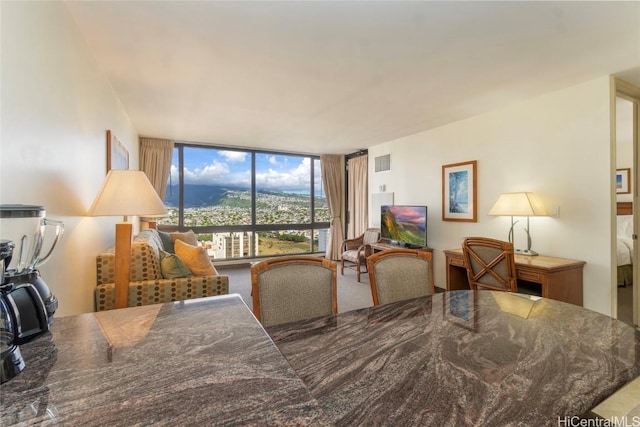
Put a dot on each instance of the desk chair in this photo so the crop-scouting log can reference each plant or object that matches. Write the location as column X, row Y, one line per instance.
column 399, row 274
column 291, row 288
column 490, row 264
column 356, row 251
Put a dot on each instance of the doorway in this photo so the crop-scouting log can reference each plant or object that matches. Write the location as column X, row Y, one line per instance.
column 627, row 119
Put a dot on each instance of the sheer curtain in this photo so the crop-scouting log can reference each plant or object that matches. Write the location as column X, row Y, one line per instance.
column 332, row 167
column 155, row 161
column 358, row 196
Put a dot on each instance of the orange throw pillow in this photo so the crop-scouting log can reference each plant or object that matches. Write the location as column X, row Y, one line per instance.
column 195, row 258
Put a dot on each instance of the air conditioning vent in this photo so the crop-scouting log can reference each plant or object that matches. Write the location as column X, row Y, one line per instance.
column 383, row 163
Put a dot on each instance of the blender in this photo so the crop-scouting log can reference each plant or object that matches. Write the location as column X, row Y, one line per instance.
column 11, row 362
column 27, row 227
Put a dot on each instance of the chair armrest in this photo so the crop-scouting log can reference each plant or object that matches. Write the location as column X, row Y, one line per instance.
column 365, row 250
column 351, row 244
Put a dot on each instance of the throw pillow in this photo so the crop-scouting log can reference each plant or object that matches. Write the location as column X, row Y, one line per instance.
column 172, row 266
column 167, row 242
column 188, row 237
column 196, row 258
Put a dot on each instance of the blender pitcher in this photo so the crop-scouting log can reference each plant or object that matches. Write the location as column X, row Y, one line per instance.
column 27, row 226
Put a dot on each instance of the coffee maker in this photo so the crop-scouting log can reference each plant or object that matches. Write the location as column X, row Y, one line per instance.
column 26, row 301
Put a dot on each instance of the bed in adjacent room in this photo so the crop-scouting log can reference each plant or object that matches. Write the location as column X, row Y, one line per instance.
column 625, row 243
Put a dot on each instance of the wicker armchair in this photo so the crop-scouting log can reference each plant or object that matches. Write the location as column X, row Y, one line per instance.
column 490, row 264
column 355, row 251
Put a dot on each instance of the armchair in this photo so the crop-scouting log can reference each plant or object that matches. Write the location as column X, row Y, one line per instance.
column 355, row 251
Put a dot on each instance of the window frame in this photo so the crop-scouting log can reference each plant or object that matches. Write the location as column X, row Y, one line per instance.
column 312, row 226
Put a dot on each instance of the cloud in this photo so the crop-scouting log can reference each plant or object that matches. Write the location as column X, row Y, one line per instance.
column 233, row 156
column 296, row 179
column 274, row 174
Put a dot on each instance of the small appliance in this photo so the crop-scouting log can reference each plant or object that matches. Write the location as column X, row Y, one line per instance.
column 26, row 302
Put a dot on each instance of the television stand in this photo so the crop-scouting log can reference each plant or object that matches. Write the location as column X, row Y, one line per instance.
column 382, row 246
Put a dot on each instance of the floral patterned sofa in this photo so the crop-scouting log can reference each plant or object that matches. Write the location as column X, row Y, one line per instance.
column 148, row 284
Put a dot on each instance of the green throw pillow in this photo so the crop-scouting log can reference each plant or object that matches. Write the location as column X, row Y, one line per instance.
column 172, row 266
column 167, row 242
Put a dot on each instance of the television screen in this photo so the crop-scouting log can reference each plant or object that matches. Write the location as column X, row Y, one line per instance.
column 401, row 224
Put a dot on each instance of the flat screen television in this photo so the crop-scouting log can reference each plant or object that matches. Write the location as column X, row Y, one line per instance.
column 404, row 225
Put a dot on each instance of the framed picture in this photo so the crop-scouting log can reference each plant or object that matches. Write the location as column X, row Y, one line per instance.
column 459, row 192
column 117, row 154
column 623, row 181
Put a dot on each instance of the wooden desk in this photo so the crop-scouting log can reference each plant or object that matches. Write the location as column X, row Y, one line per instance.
column 556, row 278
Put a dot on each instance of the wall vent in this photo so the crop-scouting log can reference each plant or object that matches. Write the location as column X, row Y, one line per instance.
column 383, row 163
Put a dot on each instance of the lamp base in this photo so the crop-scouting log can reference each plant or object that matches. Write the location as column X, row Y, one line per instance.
column 527, row 252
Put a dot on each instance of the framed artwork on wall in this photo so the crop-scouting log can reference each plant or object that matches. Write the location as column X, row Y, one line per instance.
column 117, row 154
column 459, row 187
column 623, row 181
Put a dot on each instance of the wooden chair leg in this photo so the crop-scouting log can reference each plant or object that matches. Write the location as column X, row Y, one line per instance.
column 358, row 271
column 342, row 266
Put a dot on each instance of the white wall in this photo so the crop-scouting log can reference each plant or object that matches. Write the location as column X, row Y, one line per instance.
column 56, row 108
column 556, row 145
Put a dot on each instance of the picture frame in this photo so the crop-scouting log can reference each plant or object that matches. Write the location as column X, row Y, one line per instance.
column 459, row 189
column 117, row 154
column 623, row 181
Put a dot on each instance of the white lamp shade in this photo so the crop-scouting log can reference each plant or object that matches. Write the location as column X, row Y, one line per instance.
column 127, row 192
column 518, row 204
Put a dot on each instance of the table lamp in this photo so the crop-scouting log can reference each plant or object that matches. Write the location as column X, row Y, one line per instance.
column 519, row 204
column 125, row 192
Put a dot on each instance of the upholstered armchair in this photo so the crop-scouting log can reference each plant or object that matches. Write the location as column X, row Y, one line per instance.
column 400, row 274
column 291, row 288
column 355, row 251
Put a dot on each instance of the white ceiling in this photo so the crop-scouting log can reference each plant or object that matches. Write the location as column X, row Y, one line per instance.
column 337, row 76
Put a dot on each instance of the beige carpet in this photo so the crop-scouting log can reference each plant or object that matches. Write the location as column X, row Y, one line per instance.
column 351, row 294
column 625, row 304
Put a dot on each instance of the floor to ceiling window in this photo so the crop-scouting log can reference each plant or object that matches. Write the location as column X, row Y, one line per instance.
column 247, row 203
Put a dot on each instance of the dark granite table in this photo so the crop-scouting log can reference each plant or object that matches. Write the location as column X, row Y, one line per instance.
column 457, row 358
column 461, row 359
column 198, row 362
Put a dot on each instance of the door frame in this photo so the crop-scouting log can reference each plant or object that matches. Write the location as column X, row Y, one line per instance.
column 625, row 90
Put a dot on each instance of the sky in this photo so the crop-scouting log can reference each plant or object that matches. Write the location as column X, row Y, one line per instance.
column 208, row 166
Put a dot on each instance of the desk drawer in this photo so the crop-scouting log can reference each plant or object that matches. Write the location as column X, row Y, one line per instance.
column 528, row 275
column 458, row 262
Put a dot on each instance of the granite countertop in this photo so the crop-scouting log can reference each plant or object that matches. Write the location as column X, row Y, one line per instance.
column 457, row 358
column 198, row 362
column 461, row 359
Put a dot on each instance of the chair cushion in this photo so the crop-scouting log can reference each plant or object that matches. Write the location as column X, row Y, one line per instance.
column 188, row 237
column 145, row 256
column 172, row 266
column 167, row 242
column 196, row 258
column 353, row 256
column 370, row 236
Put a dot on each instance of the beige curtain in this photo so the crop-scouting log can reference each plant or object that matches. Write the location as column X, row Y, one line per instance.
column 358, row 207
column 155, row 161
column 332, row 167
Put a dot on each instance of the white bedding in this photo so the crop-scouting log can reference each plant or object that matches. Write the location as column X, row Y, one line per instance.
column 624, row 251
column 625, row 244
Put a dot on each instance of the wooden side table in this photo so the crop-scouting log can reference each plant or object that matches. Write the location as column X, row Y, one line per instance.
column 558, row 278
